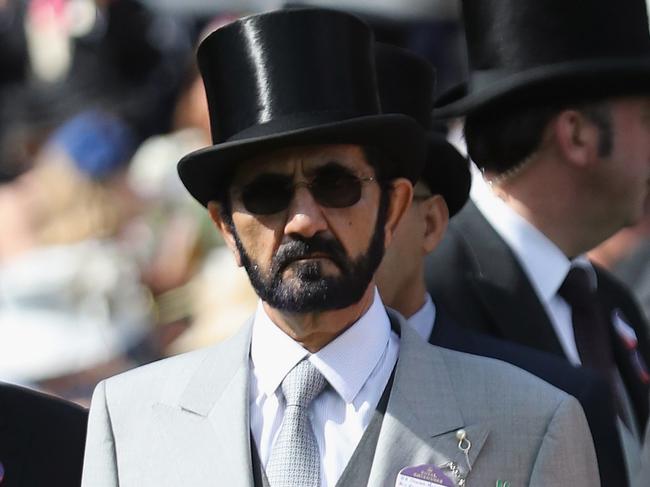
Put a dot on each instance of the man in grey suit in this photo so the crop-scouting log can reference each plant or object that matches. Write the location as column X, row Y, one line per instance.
column 307, row 182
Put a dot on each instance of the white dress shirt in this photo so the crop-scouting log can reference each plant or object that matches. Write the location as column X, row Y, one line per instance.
column 424, row 318
column 357, row 365
column 544, row 263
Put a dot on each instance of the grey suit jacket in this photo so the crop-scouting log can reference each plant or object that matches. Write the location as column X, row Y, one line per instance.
column 184, row 421
column 643, row 474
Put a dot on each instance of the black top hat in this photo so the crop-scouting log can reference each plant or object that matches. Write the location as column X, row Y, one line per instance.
column 289, row 78
column 545, row 50
column 406, row 85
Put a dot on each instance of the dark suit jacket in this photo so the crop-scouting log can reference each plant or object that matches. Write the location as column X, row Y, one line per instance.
column 584, row 385
column 41, row 439
column 476, row 277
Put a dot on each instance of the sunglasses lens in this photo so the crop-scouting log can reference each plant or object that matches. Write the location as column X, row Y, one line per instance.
column 266, row 196
column 336, row 189
column 331, row 188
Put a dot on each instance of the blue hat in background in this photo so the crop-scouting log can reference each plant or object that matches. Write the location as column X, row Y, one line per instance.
column 97, row 142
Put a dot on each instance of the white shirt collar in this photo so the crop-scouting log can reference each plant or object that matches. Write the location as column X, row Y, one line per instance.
column 423, row 319
column 346, row 362
column 543, row 262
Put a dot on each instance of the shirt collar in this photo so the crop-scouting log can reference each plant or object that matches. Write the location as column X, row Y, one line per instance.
column 273, row 353
column 543, row 262
column 423, row 319
column 346, row 362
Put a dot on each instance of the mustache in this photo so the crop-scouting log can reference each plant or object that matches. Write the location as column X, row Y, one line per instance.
column 305, row 247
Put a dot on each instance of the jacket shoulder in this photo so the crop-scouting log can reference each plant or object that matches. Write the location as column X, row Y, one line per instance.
column 161, row 368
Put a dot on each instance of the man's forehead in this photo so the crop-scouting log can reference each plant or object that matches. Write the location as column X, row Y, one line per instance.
column 303, row 159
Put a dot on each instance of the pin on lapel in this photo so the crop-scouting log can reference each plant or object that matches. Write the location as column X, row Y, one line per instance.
column 629, row 339
column 624, row 329
column 464, row 445
column 503, row 483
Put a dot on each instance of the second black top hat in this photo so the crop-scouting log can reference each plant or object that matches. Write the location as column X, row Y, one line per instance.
column 546, row 50
column 407, row 85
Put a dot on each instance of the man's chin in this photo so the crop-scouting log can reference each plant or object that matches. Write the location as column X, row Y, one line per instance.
column 309, row 293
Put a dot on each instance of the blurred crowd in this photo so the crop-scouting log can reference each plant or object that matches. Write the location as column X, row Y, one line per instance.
column 106, row 262
column 103, row 256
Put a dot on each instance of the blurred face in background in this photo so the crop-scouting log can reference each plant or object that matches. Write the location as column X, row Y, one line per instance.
column 400, row 277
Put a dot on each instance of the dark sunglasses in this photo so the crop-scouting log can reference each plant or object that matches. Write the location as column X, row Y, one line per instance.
column 330, row 187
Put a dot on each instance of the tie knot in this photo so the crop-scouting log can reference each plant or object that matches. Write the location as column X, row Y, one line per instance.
column 576, row 288
column 302, row 384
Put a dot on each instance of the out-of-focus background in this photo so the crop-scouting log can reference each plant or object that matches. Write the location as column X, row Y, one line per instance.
column 106, row 263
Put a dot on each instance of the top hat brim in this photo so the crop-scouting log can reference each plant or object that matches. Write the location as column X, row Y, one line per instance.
column 559, row 82
column 206, row 172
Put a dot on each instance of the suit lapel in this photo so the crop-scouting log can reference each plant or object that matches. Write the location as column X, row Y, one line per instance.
column 422, row 415
column 211, row 426
column 502, row 286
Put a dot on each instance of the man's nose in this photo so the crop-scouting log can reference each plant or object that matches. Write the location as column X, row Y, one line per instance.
column 304, row 215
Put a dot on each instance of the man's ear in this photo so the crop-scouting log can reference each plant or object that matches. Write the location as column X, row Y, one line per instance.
column 400, row 196
column 226, row 230
column 435, row 213
column 577, row 137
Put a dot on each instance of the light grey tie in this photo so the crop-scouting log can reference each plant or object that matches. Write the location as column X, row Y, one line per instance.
column 294, row 459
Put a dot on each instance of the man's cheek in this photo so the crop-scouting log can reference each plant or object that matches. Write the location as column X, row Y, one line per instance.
column 255, row 248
